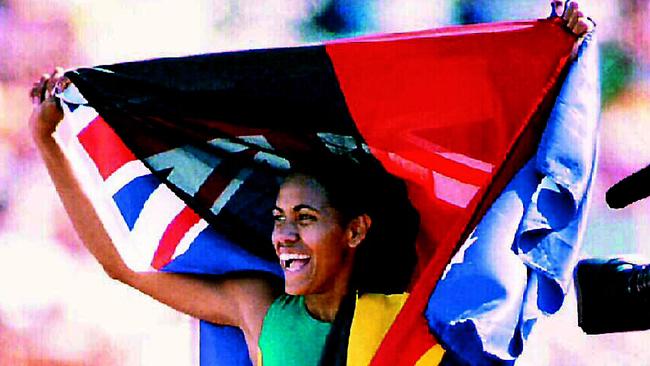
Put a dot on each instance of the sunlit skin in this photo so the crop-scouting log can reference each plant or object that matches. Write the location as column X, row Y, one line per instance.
column 315, row 248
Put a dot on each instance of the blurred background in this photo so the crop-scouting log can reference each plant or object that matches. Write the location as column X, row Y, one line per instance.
column 56, row 305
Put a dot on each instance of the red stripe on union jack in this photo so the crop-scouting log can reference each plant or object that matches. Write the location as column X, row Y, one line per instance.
column 104, row 147
column 176, row 230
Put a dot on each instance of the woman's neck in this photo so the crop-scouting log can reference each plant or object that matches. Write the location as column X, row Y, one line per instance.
column 325, row 306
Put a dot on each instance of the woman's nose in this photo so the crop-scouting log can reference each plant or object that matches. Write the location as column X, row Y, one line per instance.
column 285, row 233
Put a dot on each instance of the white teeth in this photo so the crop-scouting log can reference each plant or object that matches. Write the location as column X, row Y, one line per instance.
column 292, row 256
column 293, row 262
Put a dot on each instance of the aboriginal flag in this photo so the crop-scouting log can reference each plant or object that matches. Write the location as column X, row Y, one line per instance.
column 182, row 155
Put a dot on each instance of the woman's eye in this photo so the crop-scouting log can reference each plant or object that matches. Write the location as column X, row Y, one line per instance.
column 278, row 219
column 306, row 218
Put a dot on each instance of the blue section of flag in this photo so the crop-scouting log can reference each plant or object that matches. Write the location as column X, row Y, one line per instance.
column 131, row 198
column 222, row 346
column 516, row 266
column 212, row 253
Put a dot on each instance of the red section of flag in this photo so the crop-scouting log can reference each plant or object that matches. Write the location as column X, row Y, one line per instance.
column 460, row 107
column 104, row 147
column 175, row 231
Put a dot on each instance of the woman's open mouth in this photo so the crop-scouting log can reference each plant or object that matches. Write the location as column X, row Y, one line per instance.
column 293, row 262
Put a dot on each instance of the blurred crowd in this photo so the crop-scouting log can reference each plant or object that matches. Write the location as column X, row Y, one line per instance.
column 58, row 308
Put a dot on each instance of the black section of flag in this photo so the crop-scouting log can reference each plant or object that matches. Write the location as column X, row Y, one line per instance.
column 291, row 89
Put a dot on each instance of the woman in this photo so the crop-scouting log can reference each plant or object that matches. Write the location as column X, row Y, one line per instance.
column 324, row 224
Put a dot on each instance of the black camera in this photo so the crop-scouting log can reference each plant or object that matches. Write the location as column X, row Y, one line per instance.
column 614, row 294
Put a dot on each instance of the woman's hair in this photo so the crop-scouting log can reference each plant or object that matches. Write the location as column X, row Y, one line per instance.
column 385, row 260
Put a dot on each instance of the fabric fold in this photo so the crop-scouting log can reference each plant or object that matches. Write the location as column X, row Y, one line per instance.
column 516, row 265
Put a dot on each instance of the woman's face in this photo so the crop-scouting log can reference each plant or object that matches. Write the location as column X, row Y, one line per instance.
column 312, row 245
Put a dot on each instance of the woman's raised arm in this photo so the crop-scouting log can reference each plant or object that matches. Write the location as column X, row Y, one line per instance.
column 240, row 301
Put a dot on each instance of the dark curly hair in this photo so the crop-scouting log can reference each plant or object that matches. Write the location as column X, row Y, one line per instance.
column 357, row 185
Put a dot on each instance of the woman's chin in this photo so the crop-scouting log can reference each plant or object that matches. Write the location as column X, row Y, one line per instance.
column 295, row 286
column 297, row 278
column 295, row 290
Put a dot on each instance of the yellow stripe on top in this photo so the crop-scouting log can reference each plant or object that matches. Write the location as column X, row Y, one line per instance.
column 373, row 316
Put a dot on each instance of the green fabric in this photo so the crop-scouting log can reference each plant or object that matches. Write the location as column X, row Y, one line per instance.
column 290, row 336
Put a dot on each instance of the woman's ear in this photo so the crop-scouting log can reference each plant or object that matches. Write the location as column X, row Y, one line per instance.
column 358, row 229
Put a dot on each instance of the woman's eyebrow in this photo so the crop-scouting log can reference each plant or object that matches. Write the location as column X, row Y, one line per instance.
column 304, row 206
column 276, row 208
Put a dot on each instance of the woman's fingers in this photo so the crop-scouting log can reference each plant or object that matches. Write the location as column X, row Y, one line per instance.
column 582, row 26
column 576, row 20
column 48, row 85
column 38, row 91
column 47, row 112
column 35, row 93
column 570, row 13
column 61, row 82
column 53, row 81
column 573, row 19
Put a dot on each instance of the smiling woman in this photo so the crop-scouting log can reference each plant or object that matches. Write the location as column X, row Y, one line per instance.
column 315, row 248
column 345, row 218
column 374, row 210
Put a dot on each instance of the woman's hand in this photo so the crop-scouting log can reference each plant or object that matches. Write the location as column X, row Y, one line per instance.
column 576, row 20
column 47, row 113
